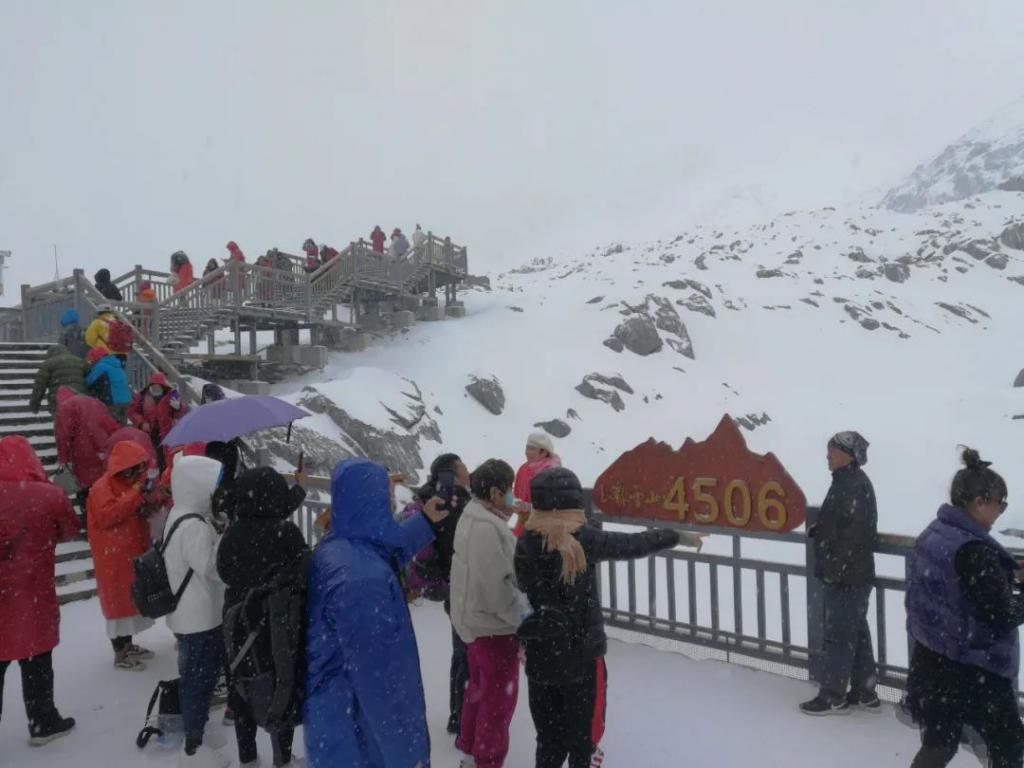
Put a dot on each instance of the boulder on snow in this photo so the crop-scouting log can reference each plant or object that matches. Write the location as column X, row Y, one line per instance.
column 898, row 273
column 639, row 335
column 1019, row 381
column 696, row 302
column 858, row 255
column 614, row 344
column 596, row 386
column 1013, row 236
column 998, row 261
column 764, row 273
column 487, row 392
column 555, row 428
column 752, row 421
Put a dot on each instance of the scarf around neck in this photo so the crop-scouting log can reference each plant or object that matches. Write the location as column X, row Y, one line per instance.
column 557, row 529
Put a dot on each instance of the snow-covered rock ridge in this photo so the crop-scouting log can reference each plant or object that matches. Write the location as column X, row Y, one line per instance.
column 989, row 157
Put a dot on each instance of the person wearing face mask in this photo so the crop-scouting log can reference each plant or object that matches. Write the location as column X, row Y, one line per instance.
column 119, row 505
column 487, row 609
column 155, row 411
column 963, row 612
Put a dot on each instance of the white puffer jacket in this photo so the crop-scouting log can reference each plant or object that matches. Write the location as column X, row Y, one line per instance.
column 485, row 598
column 194, row 545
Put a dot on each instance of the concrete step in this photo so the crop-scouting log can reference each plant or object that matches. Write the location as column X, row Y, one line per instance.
column 83, row 589
column 69, row 551
column 17, row 380
column 24, row 418
column 15, row 392
column 14, row 405
column 25, row 346
column 20, row 360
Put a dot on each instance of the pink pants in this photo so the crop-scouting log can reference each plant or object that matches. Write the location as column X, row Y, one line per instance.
column 490, row 699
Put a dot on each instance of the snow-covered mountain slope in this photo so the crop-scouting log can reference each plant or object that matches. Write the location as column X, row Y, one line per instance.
column 989, row 157
column 906, row 328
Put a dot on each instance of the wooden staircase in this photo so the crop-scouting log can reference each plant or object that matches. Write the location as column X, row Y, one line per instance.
column 19, row 363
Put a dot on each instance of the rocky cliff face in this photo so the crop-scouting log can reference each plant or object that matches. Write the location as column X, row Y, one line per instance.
column 988, row 158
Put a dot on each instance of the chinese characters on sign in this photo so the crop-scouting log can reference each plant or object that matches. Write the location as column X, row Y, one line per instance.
column 719, row 483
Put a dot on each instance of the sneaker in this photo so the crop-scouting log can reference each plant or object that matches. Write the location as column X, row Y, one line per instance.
column 598, row 758
column 126, row 663
column 204, row 757
column 868, row 701
column 453, row 725
column 138, row 652
column 47, row 732
column 820, row 705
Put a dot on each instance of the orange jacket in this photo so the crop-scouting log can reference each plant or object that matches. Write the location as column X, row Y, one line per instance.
column 117, row 531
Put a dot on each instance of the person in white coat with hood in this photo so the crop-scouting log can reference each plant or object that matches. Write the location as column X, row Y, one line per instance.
column 191, row 552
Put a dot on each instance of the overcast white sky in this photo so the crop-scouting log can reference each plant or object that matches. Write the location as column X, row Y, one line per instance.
column 131, row 129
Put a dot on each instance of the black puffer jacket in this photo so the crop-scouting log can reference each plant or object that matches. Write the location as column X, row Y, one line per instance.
column 262, row 540
column 106, row 287
column 444, row 531
column 570, row 614
column 847, row 530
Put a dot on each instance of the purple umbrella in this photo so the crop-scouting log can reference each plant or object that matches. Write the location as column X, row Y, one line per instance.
column 226, row 419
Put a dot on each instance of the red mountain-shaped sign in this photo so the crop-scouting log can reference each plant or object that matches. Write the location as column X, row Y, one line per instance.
column 718, row 482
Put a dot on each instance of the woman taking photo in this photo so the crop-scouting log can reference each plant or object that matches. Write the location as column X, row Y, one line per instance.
column 963, row 610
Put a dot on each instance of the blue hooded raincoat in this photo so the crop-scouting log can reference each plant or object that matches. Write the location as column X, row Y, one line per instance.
column 365, row 706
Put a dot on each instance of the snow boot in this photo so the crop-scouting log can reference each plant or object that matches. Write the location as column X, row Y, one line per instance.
column 822, row 705
column 138, row 652
column 202, row 757
column 124, row 661
column 50, row 729
column 467, row 761
column 597, row 760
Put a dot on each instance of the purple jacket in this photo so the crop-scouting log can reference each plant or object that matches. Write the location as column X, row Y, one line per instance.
column 939, row 614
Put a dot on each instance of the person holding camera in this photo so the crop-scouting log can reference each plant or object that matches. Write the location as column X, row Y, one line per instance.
column 119, row 506
column 429, row 574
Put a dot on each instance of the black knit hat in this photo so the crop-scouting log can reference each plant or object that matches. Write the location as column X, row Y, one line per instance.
column 556, row 488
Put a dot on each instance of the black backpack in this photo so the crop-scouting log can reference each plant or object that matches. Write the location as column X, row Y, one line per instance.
column 265, row 635
column 151, row 590
column 163, row 715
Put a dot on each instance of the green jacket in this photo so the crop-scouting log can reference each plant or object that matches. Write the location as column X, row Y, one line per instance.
column 60, row 369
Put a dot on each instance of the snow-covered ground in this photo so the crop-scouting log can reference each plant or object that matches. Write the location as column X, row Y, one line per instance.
column 664, row 710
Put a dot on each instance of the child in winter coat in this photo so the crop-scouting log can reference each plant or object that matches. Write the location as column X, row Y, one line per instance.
column 119, row 505
column 556, row 565
column 107, row 377
column 34, row 516
column 190, row 542
column 181, row 271
column 487, row 608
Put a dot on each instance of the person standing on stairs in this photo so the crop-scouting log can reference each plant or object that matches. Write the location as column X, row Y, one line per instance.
column 181, row 271
column 98, row 332
column 60, row 369
column 419, row 240
column 191, row 553
column 82, row 428
column 377, row 239
column 106, row 287
column 72, row 336
column 108, row 381
column 120, row 504
column 34, row 516
column 155, row 411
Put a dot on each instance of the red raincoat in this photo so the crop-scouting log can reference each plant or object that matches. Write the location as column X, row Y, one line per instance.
column 117, row 531
column 184, row 275
column 377, row 237
column 34, row 515
column 83, row 426
column 156, row 414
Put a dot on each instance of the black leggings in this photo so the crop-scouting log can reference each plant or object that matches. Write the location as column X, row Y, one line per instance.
column 36, row 687
column 563, row 716
column 946, row 696
column 246, row 730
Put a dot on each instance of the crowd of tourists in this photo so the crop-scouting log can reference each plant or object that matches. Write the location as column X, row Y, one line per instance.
column 324, row 638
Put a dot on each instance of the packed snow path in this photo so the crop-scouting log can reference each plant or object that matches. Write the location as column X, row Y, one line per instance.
column 664, row 710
